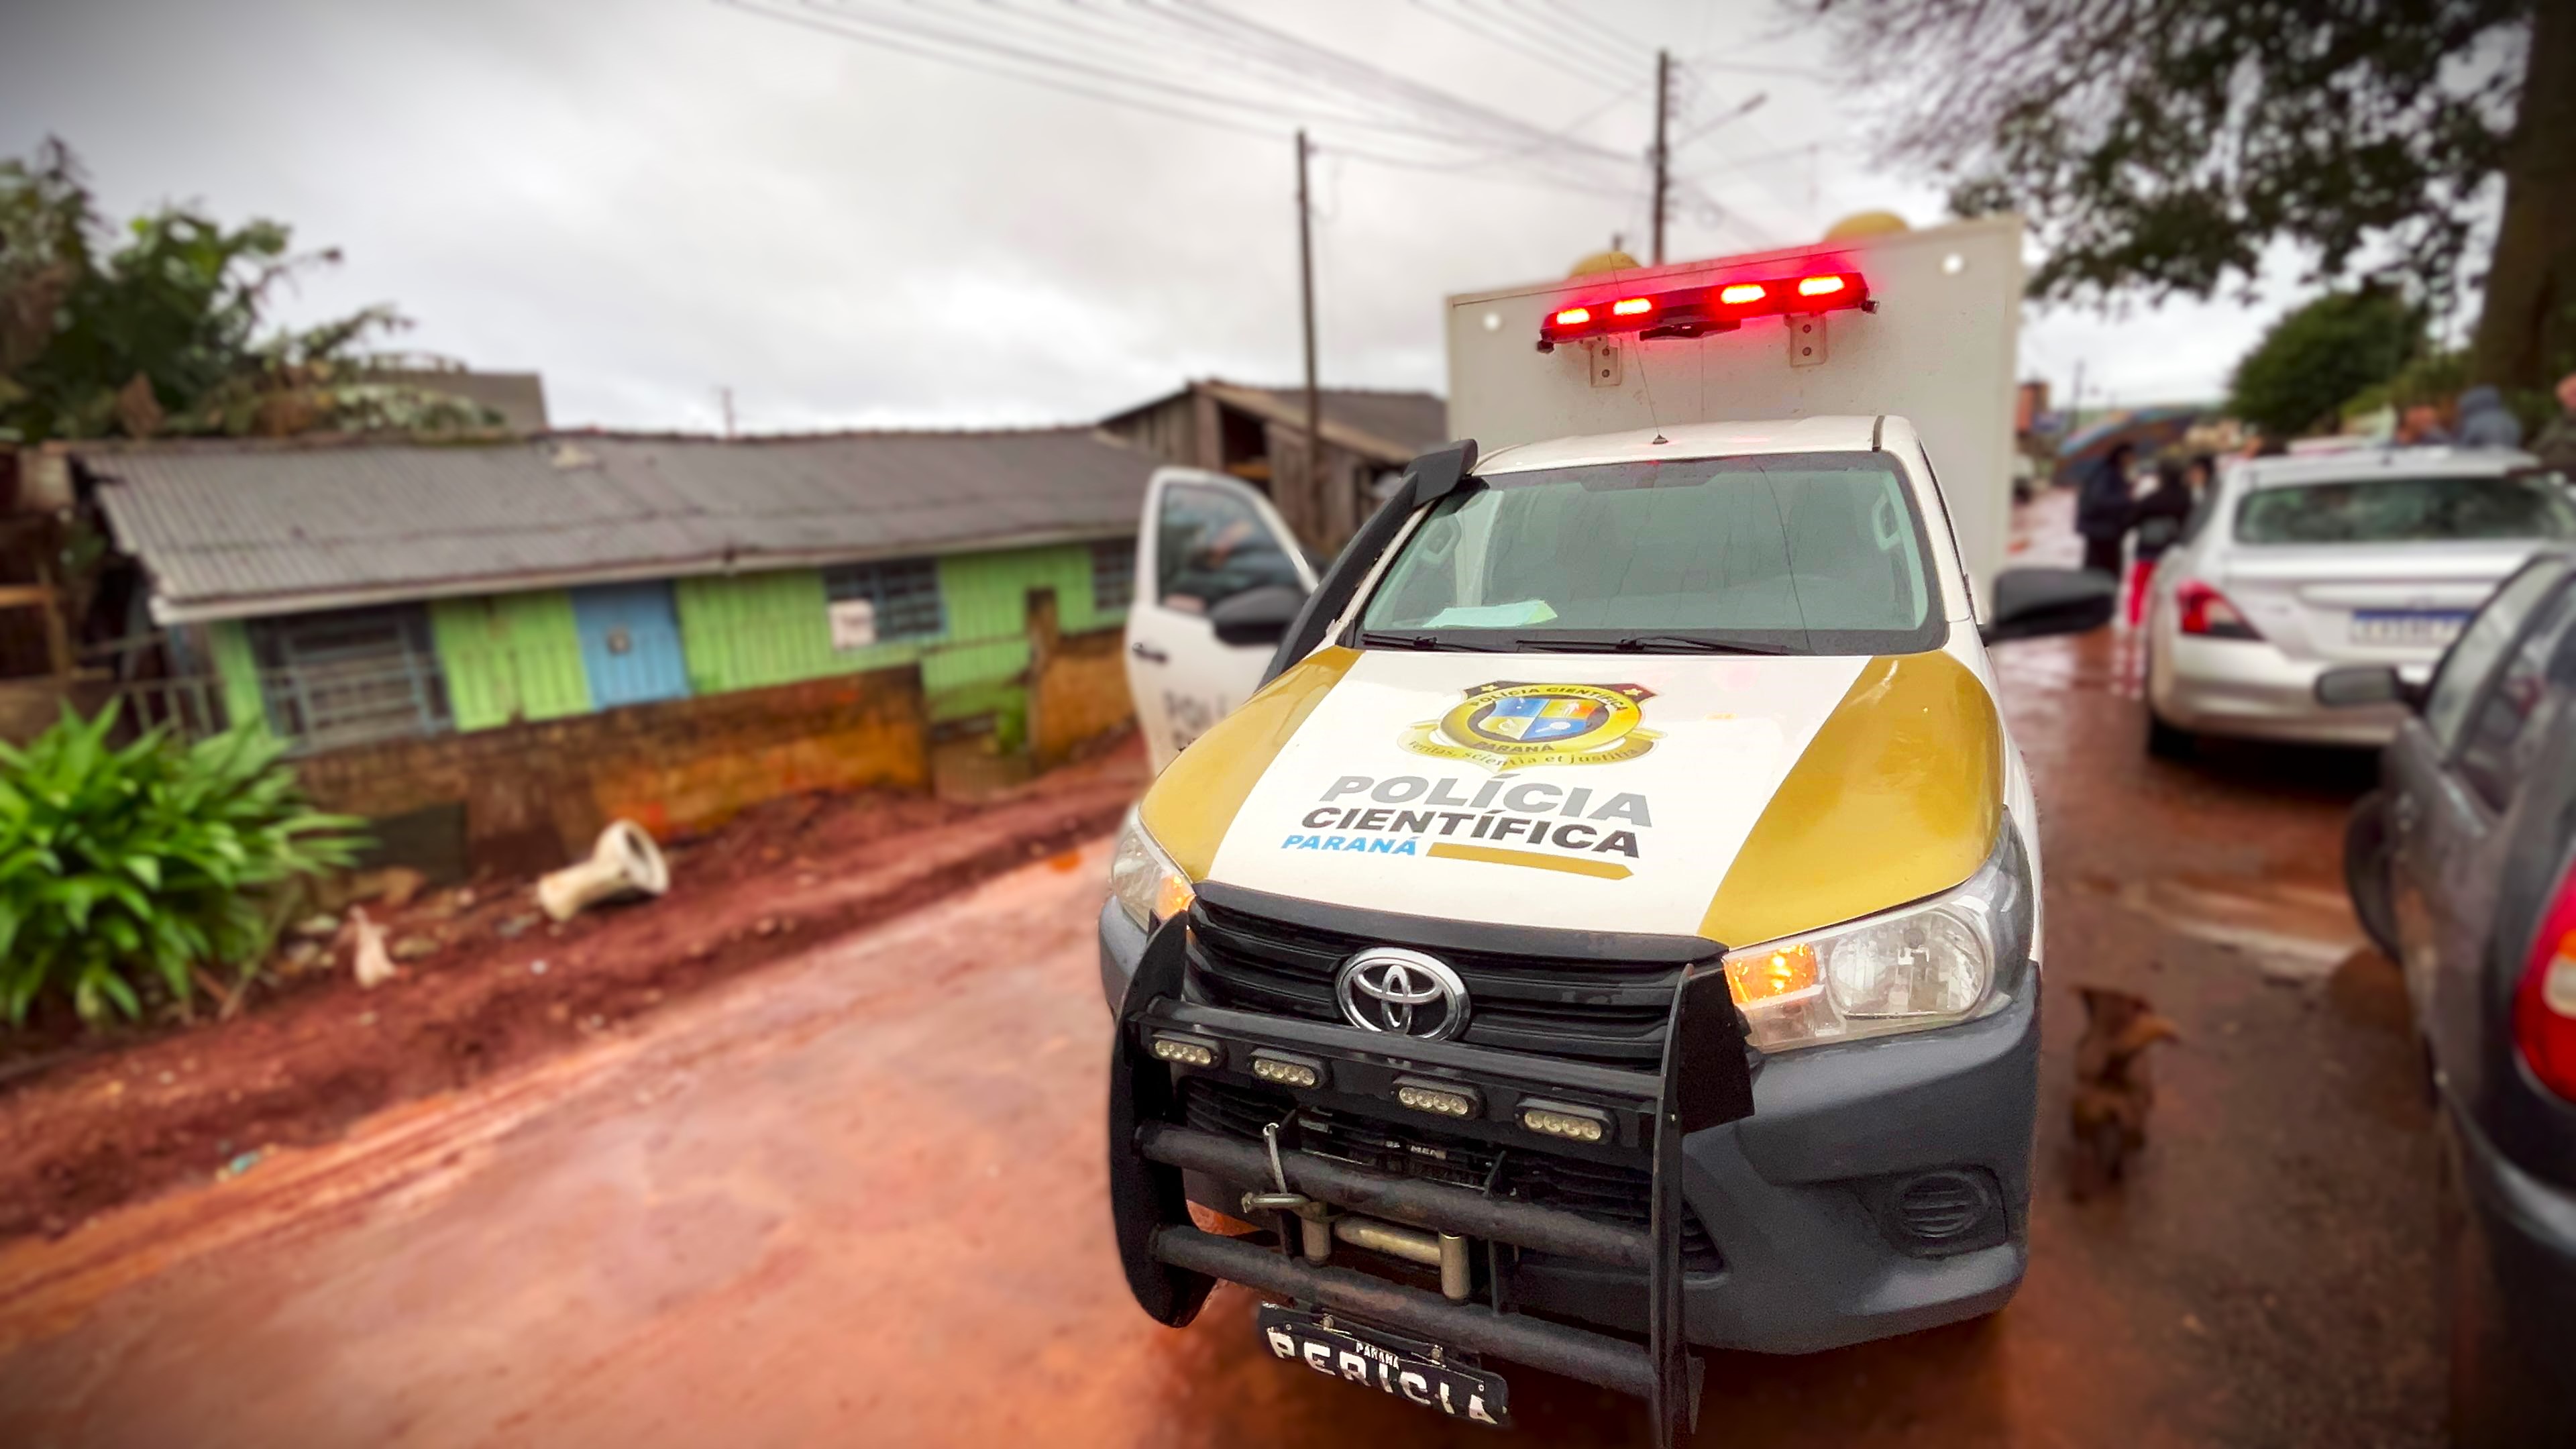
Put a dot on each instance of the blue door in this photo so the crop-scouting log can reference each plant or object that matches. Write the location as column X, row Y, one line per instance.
column 630, row 643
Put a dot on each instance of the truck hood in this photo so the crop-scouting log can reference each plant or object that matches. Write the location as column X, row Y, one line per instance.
column 1740, row 799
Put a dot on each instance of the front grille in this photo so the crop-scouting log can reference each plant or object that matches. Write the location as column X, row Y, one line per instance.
column 1602, row 1190
column 1609, row 1012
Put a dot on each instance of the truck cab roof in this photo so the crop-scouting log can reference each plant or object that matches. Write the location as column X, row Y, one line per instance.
column 1831, row 434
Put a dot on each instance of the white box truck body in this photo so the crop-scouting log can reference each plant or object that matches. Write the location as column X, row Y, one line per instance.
column 1938, row 348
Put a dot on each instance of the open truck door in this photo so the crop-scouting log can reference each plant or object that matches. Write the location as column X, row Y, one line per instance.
column 1218, row 579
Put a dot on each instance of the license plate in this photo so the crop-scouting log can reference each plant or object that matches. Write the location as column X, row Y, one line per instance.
column 2407, row 626
column 1385, row 1362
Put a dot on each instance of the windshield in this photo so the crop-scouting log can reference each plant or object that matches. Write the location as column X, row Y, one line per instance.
column 2409, row 510
column 1804, row 553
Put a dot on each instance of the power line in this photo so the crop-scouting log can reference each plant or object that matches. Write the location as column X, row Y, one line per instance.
column 994, row 39
column 1403, row 110
column 1582, row 66
column 1349, row 67
column 1622, row 54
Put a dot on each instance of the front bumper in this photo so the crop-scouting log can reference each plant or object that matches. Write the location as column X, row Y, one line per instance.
column 1803, row 1199
column 2249, row 689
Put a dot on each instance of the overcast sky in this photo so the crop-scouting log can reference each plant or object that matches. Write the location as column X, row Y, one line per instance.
column 646, row 200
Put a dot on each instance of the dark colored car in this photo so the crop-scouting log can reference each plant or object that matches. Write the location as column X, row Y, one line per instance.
column 2463, row 866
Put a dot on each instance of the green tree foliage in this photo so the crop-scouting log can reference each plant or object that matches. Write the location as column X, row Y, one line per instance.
column 2318, row 357
column 2159, row 146
column 124, row 871
column 159, row 329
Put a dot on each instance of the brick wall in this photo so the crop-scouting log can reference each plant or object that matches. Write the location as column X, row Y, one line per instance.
column 537, row 794
column 1077, row 685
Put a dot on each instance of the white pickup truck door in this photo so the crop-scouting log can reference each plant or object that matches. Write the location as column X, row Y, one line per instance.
column 1205, row 538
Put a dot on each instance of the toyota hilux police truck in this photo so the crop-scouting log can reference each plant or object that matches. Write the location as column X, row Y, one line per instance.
column 1610, row 926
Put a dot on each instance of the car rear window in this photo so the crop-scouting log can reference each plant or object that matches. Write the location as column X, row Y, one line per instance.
column 1818, row 553
column 2408, row 510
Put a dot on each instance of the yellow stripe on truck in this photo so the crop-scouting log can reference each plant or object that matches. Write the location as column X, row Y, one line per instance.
column 1189, row 809
column 1898, row 797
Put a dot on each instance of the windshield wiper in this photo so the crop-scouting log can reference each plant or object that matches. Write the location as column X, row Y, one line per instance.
column 1380, row 639
column 1649, row 644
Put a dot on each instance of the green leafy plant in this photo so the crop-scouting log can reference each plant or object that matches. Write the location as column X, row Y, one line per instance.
column 125, row 871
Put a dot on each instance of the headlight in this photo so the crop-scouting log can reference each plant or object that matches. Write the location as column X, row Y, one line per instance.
column 1148, row 887
column 1933, row 963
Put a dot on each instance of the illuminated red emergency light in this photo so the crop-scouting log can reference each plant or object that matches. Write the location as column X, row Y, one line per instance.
column 1697, row 311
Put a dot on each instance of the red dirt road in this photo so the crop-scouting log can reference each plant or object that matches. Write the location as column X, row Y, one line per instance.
column 857, row 1197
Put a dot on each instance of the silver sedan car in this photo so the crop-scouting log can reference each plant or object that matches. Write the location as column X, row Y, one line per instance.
column 2294, row 565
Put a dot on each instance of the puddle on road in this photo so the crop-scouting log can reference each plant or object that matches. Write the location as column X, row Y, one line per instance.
column 2290, row 930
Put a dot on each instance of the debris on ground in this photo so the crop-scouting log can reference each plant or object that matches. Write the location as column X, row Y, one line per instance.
column 371, row 964
column 624, row 865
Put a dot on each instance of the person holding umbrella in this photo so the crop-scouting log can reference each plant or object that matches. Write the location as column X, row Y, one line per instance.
column 2102, row 509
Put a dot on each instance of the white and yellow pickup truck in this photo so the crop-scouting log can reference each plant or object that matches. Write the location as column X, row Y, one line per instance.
column 1613, row 926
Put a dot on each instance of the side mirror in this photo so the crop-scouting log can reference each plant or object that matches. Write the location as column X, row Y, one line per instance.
column 2356, row 685
column 2034, row 603
column 1257, row 617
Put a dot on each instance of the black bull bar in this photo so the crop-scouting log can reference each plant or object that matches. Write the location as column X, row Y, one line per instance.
column 1172, row 1265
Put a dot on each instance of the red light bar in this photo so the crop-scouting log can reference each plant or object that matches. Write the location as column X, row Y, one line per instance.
column 1698, row 311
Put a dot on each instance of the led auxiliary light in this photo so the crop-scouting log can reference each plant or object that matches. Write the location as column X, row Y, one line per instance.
column 1287, row 1071
column 1575, row 1124
column 1186, row 1051
column 1439, row 1100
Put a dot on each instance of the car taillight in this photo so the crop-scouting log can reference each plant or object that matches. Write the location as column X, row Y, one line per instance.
column 2544, row 1008
column 2205, row 611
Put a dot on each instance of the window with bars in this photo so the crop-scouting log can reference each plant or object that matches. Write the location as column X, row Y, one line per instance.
column 904, row 594
column 1113, row 574
column 353, row 677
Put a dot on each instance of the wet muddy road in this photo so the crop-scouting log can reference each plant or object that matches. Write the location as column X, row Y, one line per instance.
column 858, row 1199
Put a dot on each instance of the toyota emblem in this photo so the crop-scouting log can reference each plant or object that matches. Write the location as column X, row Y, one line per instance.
column 1402, row 993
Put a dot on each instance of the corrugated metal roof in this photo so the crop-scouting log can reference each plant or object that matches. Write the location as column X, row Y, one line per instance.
column 1392, row 426
column 232, row 529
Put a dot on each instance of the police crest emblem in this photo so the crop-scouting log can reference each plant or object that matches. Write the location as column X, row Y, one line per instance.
column 1507, row 726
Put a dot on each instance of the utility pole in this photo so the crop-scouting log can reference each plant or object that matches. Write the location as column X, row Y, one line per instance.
column 1306, row 297
column 1663, row 110
column 724, row 398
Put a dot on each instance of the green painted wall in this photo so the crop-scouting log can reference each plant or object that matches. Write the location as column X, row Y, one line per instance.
column 751, row 630
column 510, row 657
column 518, row 656
column 238, row 667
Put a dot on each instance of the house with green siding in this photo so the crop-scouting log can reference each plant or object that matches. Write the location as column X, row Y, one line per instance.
column 357, row 591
